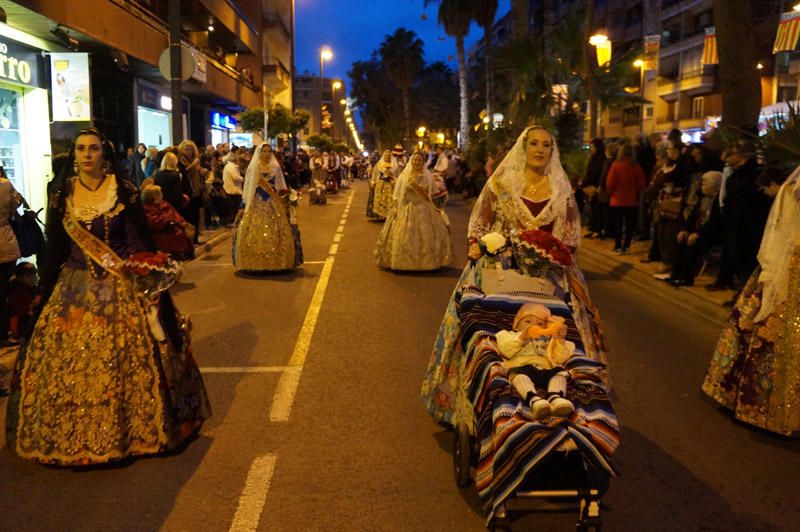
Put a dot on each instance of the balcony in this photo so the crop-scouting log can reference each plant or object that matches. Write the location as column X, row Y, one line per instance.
column 277, row 77
column 692, row 82
column 274, row 21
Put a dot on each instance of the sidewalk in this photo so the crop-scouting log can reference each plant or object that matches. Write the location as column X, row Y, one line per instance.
column 629, row 266
column 211, row 238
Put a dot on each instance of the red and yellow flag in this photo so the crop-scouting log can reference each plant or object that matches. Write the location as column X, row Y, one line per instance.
column 788, row 32
column 710, row 55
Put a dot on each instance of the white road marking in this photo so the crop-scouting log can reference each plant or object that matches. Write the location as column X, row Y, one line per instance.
column 313, row 262
column 338, row 237
column 254, row 494
column 334, row 248
column 243, row 369
column 340, row 228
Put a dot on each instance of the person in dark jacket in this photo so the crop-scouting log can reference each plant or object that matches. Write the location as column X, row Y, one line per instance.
column 136, row 170
column 591, row 184
column 701, row 230
column 169, row 179
column 744, row 211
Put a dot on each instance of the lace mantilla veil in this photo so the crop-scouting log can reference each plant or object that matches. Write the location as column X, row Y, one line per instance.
column 781, row 235
column 401, row 186
column 251, row 177
column 500, row 207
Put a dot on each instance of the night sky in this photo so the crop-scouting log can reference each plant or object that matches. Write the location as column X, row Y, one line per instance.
column 354, row 28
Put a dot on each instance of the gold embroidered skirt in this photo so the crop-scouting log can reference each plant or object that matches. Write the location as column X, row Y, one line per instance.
column 263, row 240
column 93, row 386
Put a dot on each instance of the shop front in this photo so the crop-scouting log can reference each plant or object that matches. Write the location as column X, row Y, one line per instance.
column 25, row 152
column 221, row 127
column 154, row 115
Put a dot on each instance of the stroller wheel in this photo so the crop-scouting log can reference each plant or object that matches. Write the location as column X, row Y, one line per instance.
column 462, row 457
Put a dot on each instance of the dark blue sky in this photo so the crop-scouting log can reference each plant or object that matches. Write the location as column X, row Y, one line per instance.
column 354, row 28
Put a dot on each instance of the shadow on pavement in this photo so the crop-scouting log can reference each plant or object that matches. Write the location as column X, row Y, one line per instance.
column 450, row 272
column 284, row 276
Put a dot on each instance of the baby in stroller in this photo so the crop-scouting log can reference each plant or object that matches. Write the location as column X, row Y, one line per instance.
column 317, row 195
column 534, row 354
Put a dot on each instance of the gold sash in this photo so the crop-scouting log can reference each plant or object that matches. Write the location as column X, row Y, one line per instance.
column 96, row 249
column 264, row 184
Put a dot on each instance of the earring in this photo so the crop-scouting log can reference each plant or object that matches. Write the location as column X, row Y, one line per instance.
column 106, row 167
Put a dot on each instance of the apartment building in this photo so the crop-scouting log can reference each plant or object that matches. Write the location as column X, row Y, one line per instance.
column 326, row 102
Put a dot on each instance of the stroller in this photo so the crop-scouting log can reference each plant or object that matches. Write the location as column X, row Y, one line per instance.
column 331, row 183
column 317, row 195
column 499, row 444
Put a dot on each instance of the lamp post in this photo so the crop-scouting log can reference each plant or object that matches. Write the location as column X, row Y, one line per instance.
column 336, row 85
column 599, row 41
column 640, row 65
column 325, row 54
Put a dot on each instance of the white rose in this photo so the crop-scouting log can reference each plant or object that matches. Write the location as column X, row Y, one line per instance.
column 493, row 242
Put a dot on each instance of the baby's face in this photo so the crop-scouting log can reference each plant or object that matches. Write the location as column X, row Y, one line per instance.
column 530, row 315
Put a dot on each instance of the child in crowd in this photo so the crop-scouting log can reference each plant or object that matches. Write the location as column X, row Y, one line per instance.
column 23, row 296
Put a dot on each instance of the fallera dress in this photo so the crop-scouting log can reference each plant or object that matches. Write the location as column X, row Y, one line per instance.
column 755, row 368
column 266, row 238
column 93, row 385
column 383, row 199
column 415, row 236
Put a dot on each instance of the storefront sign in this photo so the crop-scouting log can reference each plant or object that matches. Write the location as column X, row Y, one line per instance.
column 222, row 121
column 19, row 63
column 70, row 87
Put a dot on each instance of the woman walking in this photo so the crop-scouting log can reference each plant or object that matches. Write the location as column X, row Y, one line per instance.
column 108, row 372
column 267, row 237
column 625, row 183
column 415, row 236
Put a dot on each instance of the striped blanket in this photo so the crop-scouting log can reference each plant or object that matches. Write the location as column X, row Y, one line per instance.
column 512, row 443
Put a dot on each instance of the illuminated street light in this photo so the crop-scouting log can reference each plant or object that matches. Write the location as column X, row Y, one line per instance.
column 638, row 63
column 337, row 85
column 347, row 112
column 760, row 66
column 486, row 119
column 602, row 47
column 343, row 101
column 325, row 53
column 597, row 39
column 421, row 131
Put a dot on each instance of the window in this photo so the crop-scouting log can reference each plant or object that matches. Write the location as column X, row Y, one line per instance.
column 648, row 112
column 697, row 107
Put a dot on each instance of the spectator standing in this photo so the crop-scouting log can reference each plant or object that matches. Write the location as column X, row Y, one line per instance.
column 232, row 182
column 136, row 171
column 192, row 182
column 590, row 185
column 10, row 200
column 169, row 179
column 625, row 183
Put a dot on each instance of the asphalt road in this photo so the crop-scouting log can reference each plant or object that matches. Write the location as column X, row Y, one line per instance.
column 327, row 433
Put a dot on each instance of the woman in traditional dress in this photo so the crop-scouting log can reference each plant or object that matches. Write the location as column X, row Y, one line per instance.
column 755, row 369
column 267, row 237
column 382, row 187
column 107, row 373
column 528, row 190
column 415, row 236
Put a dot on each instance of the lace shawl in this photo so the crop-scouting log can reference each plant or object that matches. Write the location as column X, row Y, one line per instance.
column 252, row 176
column 781, row 236
column 500, row 207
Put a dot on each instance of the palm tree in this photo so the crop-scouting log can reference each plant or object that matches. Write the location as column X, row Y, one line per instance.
column 456, row 17
column 738, row 76
column 402, row 55
column 485, row 11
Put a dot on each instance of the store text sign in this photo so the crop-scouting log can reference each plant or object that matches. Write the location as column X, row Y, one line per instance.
column 70, row 87
column 18, row 64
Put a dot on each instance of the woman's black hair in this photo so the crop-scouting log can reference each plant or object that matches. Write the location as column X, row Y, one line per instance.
column 58, row 244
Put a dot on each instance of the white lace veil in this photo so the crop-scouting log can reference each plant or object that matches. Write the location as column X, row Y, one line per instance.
column 781, row 236
column 381, row 166
column 500, row 207
column 251, row 176
column 401, row 186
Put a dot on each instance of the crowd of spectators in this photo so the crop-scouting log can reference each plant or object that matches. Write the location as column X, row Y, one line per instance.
column 696, row 206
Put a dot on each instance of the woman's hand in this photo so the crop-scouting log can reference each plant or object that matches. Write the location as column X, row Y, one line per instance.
column 474, row 252
column 692, row 240
column 682, row 236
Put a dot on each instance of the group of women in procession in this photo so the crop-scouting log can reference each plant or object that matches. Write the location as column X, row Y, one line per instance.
column 108, row 373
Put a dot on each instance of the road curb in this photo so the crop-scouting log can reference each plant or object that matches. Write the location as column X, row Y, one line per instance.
column 205, row 248
column 691, row 300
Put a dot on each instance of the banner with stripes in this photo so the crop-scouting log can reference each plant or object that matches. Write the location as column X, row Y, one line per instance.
column 710, row 55
column 652, row 44
column 788, row 32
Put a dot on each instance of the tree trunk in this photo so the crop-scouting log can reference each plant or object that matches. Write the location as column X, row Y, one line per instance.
column 406, row 116
column 487, row 37
column 738, row 77
column 462, row 86
column 520, row 18
column 588, row 69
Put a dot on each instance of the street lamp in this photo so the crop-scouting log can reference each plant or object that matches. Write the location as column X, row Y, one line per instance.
column 640, row 65
column 325, row 54
column 602, row 47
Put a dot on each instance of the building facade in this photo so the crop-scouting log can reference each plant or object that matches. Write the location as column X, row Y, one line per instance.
column 326, row 102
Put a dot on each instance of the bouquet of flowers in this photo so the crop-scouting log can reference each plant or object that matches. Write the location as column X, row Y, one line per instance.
column 151, row 273
column 492, row 244
column 538, row 252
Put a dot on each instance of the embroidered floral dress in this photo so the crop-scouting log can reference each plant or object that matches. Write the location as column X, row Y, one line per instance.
column 267, row 238
column 415, row 236
column 94, row 385
column 383, row 199
column 755, row 368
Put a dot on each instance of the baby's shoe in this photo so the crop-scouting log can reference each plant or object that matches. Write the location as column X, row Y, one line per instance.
column 561, row 407
column 540, row 408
